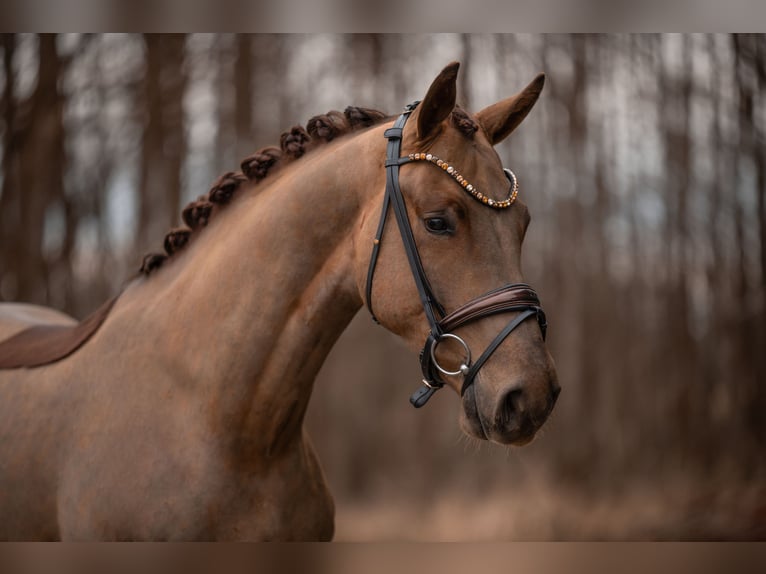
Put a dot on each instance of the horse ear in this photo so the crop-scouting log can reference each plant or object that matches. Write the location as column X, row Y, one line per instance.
column 501, row 118
column 439, row 101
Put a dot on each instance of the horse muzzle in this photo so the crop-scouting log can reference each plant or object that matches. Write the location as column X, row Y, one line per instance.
column 511, row 416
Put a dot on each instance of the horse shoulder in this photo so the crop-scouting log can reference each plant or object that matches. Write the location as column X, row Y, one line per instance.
column 15, row 317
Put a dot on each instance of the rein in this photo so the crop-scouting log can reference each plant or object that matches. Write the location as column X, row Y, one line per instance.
column 513, row 297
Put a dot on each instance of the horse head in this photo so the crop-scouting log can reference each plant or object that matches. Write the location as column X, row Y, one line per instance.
column 461, row 229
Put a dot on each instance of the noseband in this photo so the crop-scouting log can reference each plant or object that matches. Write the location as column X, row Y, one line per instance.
column 514, row 297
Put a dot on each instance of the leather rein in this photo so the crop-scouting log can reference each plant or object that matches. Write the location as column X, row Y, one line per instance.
column 514, row 297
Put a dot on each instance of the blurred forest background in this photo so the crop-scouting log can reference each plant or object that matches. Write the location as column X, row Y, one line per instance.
column 643, row 165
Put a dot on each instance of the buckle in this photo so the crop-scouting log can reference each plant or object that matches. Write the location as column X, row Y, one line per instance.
column 409, row 108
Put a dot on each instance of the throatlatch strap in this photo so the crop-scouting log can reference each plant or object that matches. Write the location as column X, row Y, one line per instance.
column 375, row 252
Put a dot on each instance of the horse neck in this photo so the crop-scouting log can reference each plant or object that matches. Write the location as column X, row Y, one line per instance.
column 251, row 310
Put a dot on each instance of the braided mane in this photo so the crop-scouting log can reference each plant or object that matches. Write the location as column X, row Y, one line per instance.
column 292, row 144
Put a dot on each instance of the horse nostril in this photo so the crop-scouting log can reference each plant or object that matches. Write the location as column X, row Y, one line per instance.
column 555, row 392
column 511, row 408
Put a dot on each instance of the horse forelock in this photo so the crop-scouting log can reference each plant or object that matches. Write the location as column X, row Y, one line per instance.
column 463, row 122
column 293, row 144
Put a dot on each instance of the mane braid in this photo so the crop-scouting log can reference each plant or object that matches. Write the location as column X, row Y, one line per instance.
column 293, row 144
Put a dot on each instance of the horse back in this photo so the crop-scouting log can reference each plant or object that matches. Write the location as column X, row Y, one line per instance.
column 15, row 317
column 31, row 336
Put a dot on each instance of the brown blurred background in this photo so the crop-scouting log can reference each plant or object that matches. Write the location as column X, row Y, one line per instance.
column 643, row 165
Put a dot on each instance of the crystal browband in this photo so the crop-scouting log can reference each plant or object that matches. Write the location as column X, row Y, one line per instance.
column 475, row 193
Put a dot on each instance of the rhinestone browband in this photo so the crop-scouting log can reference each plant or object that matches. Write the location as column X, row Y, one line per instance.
column 475, row 193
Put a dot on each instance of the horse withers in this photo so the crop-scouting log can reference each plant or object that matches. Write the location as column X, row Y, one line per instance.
column 177, row 412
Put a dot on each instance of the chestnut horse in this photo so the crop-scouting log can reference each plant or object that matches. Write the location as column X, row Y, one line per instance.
column 179, row 416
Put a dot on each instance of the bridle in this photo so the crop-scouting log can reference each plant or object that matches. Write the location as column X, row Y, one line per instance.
column 514, row 297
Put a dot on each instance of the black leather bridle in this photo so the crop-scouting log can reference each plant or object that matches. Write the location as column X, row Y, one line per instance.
column 514, row 297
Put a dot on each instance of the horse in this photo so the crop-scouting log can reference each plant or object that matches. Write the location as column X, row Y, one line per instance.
column 176, row 411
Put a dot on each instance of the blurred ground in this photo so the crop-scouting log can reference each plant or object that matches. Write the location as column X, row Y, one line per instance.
column 540, row 510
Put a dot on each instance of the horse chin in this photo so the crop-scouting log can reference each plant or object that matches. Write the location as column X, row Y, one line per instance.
column 471, row 423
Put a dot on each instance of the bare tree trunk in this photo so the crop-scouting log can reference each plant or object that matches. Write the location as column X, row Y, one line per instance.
column 243, row 95
column 164, row 144
column 9, row 200
column 712, row 379
column 273, row 111
column 151, row 219
column 174, row 81
column 235, row 137
column 226, row 136
column 367, row 58
column 464, row 95
column 677, row 352
column 760, row 165
column 752, row 395
column 759, row 157
column 35, row 174
column 587, row 320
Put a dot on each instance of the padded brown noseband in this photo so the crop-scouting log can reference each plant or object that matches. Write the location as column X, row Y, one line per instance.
column 514, row 297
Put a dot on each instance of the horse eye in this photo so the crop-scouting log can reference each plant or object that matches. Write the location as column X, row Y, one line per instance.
column 438, row 225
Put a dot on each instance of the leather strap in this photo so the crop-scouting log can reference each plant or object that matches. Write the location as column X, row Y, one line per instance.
column 507, row 298
column 474, row 370
column 375, row 252
column 393, row 197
